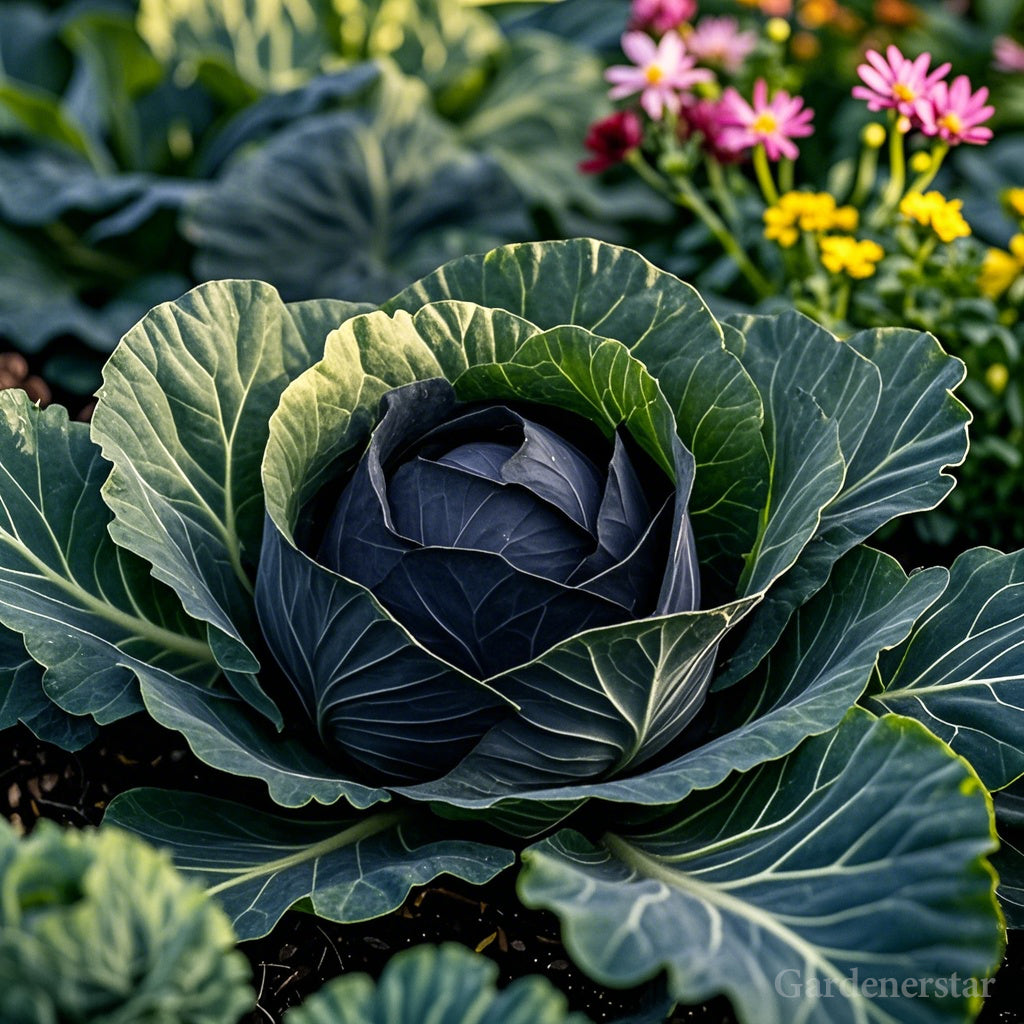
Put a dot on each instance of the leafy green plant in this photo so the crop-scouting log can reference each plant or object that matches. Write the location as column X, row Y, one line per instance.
column 717, row 782
column 96, row 927
column 446, row 983
column 139, row 155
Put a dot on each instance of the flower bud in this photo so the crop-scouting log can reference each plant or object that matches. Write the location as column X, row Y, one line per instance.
column 921, row 163
column 777, row 30
column 997, row 377
column 873, row 135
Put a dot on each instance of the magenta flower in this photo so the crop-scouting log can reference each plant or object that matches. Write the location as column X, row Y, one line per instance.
column 895, row 82
column 660, row 16
column 610, row 139
column 1008, row 55
column 719, row 41
column 704, row 117
column 773, row 124
column 955, row 114
column 662, row 71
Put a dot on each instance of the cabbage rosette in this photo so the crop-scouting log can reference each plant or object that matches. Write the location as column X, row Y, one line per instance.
column 540, row 560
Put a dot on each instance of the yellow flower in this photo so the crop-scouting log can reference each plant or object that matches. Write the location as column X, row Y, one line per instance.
column 842, row 254
column 1015, row 200
column 778, row 225
column 806, row 211
column 934, row 211
column 846, row 218
column 1000, row 269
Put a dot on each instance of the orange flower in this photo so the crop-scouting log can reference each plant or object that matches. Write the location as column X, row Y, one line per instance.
column 896, row 12
column 816, row 13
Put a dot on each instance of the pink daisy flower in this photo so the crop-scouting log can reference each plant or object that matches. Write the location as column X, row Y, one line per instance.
column 660, row 16
column 955, row 114
column 1007, row 55
column 773, row 124
column 662, row 71
column 719, row 41
column 895, row 82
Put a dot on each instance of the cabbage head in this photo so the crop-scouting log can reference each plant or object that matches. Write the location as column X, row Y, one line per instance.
column 540, row 562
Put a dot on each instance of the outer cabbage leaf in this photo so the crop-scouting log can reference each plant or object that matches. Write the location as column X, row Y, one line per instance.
column 816, row 672
column 29, row 47
column 39, row 300
column 533, row 114
column 183, row 416
column 269, row 44
column 898, row 427
column 225, row 732
column 447, row 983
column 258, row 865
column 1009, row 859
column 23, row 699
column 89, row 610
column 961, row 671
column 862, row 851
column 276, row 111
column 354, row 203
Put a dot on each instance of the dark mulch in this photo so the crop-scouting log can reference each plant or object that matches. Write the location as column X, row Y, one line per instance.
column 41, row 781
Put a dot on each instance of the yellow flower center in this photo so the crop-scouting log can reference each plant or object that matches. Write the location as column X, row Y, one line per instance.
column 952, row 123
column 654, row 74
column 764, row 124
column 904, row 92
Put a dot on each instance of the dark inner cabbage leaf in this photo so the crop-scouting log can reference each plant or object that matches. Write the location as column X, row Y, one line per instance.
column 494, row 530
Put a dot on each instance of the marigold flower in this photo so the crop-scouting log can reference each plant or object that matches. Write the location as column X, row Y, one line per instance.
column 895, row 82
column 719, row 41
column 816, row 13
column 934, row 211
column 772, row 123
column 1014, row 199
column 1000, row 269
column 660, row 16
column 806, row 211
column 955, row 114
column 610, row 139
column 660, row 72
column 842, row 254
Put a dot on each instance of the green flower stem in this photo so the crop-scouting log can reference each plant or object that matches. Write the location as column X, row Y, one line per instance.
column 723, row 194
column 867, row 172
column 685, row 195
column 764, row 176
column 897, row 173
column 843, row 300
column 922, row 181
column 787, row 171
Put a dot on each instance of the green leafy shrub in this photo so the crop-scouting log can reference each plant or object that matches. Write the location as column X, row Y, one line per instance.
column 445, row 983
column 96, row 927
